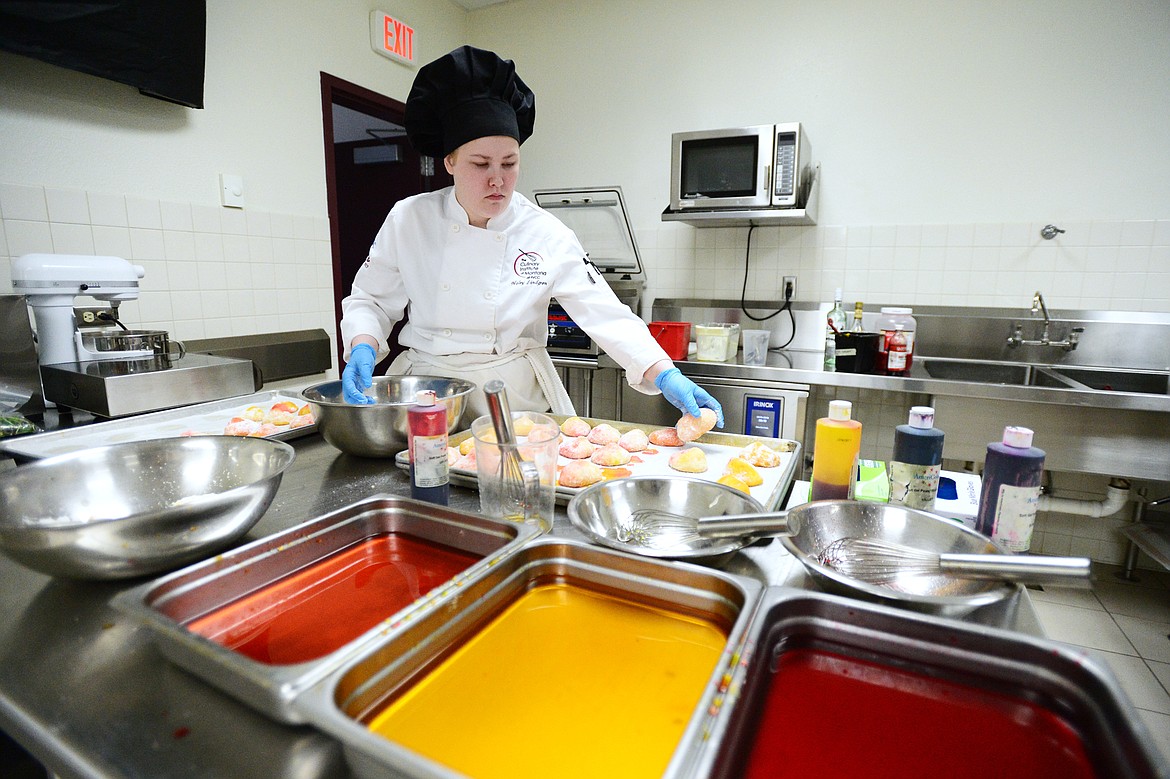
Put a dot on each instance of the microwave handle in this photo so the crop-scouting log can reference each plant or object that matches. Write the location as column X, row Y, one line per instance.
column 768, row 180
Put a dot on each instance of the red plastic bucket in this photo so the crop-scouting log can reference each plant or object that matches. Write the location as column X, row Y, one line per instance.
column 673, row 337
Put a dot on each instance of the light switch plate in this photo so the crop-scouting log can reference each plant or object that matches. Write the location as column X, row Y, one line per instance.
column 231, row 190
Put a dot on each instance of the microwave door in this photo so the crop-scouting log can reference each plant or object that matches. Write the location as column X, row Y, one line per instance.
column 722, row 169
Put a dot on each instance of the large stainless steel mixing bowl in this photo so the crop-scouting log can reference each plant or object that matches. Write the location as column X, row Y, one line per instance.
column 608, row 513
column 822, row 522
column 137, row 508
column 380, row 429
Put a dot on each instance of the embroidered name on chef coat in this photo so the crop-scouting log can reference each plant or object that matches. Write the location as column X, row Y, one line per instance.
column 529, row 270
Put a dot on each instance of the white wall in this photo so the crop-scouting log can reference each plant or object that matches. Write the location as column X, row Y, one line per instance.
column 948, row 134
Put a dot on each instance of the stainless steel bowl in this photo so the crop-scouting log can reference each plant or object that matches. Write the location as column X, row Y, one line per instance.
column 379, row 429
column 137, row 508
column 605, row 513
column 823, row 522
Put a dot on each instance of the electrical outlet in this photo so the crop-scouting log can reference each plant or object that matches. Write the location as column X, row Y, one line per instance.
column 92, row 317
column 789, row 287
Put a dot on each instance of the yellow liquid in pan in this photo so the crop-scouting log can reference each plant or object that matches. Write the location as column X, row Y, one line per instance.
column 565, row 682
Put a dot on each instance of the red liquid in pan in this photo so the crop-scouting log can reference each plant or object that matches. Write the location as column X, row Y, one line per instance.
column 316, row 611
column 834, row 717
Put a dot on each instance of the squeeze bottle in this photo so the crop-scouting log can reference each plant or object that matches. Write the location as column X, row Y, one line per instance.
column 427, row 445
column 1011, row 489
column 835, row 450
column 916, row 461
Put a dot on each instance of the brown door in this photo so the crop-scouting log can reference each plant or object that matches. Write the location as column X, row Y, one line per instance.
column 369, row 166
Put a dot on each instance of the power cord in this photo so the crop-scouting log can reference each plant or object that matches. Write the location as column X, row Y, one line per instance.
column 743, row 296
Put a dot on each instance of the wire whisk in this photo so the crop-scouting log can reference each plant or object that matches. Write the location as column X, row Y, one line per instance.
column 876, row 561
column 658, row 529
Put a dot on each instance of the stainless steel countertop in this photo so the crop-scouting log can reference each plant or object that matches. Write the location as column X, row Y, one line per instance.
column 806, row 367
column 86, row 691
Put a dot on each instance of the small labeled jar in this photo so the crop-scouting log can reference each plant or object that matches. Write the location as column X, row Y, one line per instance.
column 888, row 319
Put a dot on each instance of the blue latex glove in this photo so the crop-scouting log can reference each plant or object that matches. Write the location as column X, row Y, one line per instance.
column 687, row 396
column 359, row 374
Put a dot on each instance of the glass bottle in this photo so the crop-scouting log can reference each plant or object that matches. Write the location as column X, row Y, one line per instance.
column 857, row 312
column 834, row 323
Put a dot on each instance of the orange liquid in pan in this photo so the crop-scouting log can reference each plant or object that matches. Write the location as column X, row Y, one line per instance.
column 565, row 682
column 315, row 611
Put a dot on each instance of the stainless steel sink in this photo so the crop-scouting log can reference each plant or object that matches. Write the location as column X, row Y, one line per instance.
column 1118, row 380
column 1059, row 377
column 981, row 372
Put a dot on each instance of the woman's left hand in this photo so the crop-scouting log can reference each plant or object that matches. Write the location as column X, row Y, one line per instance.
column 687, row 396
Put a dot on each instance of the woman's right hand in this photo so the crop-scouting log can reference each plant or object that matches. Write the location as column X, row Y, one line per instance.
column 358, row 375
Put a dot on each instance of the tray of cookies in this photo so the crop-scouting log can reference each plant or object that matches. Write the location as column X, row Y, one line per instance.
column 593, row 450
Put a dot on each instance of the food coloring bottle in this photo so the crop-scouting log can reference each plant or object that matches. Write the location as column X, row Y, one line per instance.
column 427, row 445
column 897, row 352
column 1011, row 489
column 917, row 460
column 835, row 450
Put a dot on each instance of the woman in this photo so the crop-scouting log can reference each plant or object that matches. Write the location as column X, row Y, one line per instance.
column 476, row 264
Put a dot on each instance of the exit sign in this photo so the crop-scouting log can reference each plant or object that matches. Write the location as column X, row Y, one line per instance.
column 392, row 37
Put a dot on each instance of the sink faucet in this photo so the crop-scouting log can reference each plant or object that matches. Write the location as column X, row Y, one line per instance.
column 1016, row 338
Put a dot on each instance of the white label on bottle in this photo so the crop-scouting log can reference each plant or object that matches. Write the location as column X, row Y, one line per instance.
column 897, row 360
column 913, row 485
column 430, row 460
column 1015, row 516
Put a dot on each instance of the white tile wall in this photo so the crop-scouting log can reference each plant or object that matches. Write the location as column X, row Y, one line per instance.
column 209, row 271
column 1118, row 265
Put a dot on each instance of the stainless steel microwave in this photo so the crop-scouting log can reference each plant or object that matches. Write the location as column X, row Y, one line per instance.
column 765, row 166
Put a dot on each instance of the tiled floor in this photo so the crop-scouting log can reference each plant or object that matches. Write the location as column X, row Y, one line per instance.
column 1126, row 625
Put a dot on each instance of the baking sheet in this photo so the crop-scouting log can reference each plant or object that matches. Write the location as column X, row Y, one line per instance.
column 199, row 419
column 719, row 448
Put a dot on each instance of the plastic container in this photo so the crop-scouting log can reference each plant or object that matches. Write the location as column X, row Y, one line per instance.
column 732, row 342
column 835, row 451
column 1011, row 489
column 755, row 347
column 427, row 444
column 917, row 460
column 856, row 352
column 890, row 316
column 711, row 341
column 673, row 337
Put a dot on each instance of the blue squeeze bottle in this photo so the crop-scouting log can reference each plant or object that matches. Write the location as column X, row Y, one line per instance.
column 1011, row 490
column 917, row 460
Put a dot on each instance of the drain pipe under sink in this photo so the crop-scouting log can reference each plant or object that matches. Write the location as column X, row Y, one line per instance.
column 1116, row 496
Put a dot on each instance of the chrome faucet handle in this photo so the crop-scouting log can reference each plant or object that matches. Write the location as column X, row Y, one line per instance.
column 1016, row 337
column 1048, row 232
column 1074, row 337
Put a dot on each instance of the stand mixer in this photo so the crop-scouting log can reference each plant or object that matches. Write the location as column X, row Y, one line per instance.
column 77, row 373
column 52, row 282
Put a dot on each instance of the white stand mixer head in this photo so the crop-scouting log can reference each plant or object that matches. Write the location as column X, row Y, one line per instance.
column 53, row 281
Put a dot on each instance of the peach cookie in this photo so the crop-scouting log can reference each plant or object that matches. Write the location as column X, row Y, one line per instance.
column 576, row 449
column 634, row 440
column 522, row 425
column 693, row 460
column 580, row 473
column 733, row 481
column 604, row 434
column 611, row 456
column 760, row 455
column 467, row 445
column 744, row 471
column 575, row 426
column 689, row 428
column 667, row 436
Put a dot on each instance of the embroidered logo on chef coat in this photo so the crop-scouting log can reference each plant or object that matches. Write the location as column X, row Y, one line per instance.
column 530, row 271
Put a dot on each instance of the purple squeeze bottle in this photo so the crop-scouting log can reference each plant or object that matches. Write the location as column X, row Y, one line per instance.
column 1011, row 490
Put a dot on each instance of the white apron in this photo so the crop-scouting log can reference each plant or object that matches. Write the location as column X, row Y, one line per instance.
column 529, row 376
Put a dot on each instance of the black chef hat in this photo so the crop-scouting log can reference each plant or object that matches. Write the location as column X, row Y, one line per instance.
column 467, row 94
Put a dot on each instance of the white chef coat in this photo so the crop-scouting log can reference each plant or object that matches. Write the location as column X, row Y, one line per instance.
column 473, row 291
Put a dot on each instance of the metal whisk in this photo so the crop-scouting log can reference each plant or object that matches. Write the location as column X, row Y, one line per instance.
column 876, row 561
column 657, row 529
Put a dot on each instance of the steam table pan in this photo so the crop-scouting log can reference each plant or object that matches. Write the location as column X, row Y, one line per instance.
column 833, row 687
column 266, row 620
column 565, row 659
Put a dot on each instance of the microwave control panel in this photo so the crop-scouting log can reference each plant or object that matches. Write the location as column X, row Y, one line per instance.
column 785, row 177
